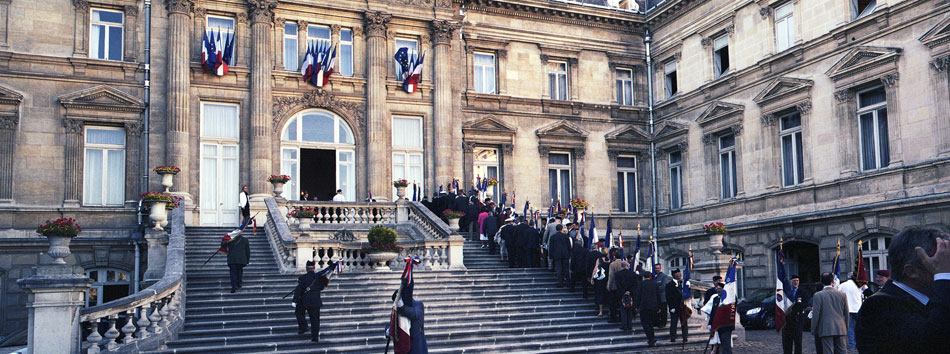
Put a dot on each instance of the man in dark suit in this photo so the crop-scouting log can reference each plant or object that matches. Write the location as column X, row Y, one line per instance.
column 461, row 204
column 674, row 298
column 626, row 281
column 533, row 242
column 830, row 317
column 662, row 280
column 911, row 313
column 647, row 302
column 307, row 301
column 712, row 291
column 239, row 255
column 579, row 272
column 522, row 236
column 560, row 248
column 795, row 318
column 489, row 228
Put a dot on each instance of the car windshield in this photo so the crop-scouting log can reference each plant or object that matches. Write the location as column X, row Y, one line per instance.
column 760, row 296
column 769, row 299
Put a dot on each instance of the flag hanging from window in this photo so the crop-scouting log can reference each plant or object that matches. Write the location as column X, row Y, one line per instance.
column 216, row 52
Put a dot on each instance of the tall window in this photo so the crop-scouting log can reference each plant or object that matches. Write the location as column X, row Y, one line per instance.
column 225, row 27
column 318, row 35
column 290, row 46
column 670, row 78
column 727, row 165
column 872, row 121
column 625, row 87
column 557, row 80
column 107, row 285
column 486, row 166
column 793, row 170
column 407, row 150
column 861, row 8
column 784, row 27
column 411, row 44
column 104, row 168
column 559, row 176
column 721, row 55
column 484, row 67
column 105, row 35
column 874, row 252
column 346, row 52
column 676, row 179
column 627, row 184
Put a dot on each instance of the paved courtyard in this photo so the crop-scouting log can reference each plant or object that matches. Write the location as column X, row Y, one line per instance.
column 757, row 342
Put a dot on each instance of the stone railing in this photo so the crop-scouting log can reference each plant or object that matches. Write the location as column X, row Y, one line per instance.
column 326, row 240
column 148, row 318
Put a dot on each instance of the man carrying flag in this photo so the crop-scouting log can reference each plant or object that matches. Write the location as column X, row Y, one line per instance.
column 724, row 311
column 786, row 321
column 307, row 299
column 238, row 250
column 406, row 322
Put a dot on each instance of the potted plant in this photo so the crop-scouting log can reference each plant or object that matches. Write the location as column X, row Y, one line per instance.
column 382, row 246
column 167, row 172
column 304, row 216
column 491, row 182
column 453, row 217
column 157, row 211
column 278, row 182
column 579, row 204
column 401, row 185
column 59, row 232
column 176, row 201
column 716, row 231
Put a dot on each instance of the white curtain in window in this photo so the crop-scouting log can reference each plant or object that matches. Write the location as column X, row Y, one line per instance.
column 92, row 172
column 220, row 121
column 407, row 132
column 105, row 137
column 115, row 190
column 229, row 173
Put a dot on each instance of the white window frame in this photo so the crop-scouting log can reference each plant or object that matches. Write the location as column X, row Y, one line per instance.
column 291, row 52
column 881, row 242
column 867, row 10
column 570, row 183
column 293, row 188
column 677, row 262
column 102, row 280
column 201, row 128
column 313, row 40
column 784, row 18
column 414, row 50
column 105, row 148
column 624, row 87
column 670, row 84
column 796, row 135
column 636, row 191
column 486, row 77
column 729, row 167
column 107, row 25
column 678, row 167
column 555, row 92
column 873, row 110
column 346, row 70
column 721, row 43
column 224, row 31
column 408, row 152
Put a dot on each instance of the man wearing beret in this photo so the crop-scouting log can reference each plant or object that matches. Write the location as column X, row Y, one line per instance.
column 307, row 301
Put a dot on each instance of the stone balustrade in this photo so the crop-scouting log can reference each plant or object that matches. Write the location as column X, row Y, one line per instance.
column 348, row 213
column 146, row 319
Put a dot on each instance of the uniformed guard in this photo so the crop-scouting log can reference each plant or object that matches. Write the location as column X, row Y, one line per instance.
column 307, row 300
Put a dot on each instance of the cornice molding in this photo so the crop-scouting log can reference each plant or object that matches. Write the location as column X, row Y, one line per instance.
column 630, row 22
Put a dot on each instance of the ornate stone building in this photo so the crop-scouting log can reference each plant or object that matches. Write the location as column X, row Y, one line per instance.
column 810, row 120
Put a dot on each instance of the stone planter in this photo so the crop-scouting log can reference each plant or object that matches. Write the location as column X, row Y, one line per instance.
column 715, row 242
column 401, row 193
column 167, row 181
column 489, row 193
column 379, row 259
column 454, row 224
column 157, row 214
column 278, row 189
column 59, row 248
column 304, row 223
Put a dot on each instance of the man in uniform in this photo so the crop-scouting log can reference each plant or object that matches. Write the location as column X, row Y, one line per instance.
column 674, row 298
column 307, row 301
column 239, row 255
column 795, row 319
column 508, row 235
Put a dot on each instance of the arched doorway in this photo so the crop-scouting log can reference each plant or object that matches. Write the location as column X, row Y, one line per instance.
column 318, row 152
column 801, row 258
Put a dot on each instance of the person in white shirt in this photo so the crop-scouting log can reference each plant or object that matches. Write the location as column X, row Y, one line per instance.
column 854, row 290
column 244, row 204
column 339, row 197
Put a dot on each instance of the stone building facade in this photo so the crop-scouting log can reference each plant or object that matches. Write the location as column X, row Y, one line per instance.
column 829, row 116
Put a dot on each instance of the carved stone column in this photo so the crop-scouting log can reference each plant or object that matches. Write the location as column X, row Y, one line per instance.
column 940, row 81
column 80, row 42
column 178, row 95
column 133, row 161
column 73, row 167
column 468, row 163
column 890, row 82
column 131, row 49
column 5, row 24
column 847, row 132
column 546, row 197
column 446, row 167
column 507, row 170
column 261, row 14
column 378, row 125
column 8, row 127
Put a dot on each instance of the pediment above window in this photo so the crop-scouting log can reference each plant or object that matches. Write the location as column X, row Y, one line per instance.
column 488, row 129
column 669, row 133
column 10, row 97
column 9, row 108
column 720, row 113
column 783, row 93
column 937, row 35
column 562, row 134
column 864, row 62
column 102, row 98
column 628, row 138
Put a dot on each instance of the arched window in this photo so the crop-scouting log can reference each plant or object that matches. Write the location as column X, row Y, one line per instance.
column 107, row 284
column 874, row 251
column 318, row 153
column 677, row 262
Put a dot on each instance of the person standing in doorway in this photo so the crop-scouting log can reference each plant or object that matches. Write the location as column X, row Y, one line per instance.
column 244, row 204
column 339, row 197
column 239, row 255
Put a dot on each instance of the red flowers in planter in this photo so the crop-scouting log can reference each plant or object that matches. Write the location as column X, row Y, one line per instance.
column 278, row 178
column 59, row 227
column 715, row 228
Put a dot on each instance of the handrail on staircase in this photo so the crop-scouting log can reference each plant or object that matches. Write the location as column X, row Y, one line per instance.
column 149, row 317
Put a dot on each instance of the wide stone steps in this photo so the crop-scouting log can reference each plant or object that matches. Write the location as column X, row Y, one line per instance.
column 487, row 308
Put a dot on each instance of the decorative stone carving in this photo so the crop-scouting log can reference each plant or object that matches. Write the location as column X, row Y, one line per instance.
column 765, row 12
column 468, row 147
column 736, row 129
column 317, row 99
column 579, row 152
column 682, row 146
column 131, row 11
column 376, row 23
column 469, row 50
column 302, row 25
column 706, row 41
column 889, row 80
column 544, row 150
column 200, row 12
column 545, row 58
column 178, row 6
column 73, row 126
column 941, row 64
column 507, row 149
column 843, row 96
column 803, row 107
column 343, row 235
column 9, row 122
column 768, row 120
column 709, row 139
column 261, row 10
column 242, row 18
column 335, row 30
column 81, row 5
column 134, row 128
column 612, row 154
column 502, row 54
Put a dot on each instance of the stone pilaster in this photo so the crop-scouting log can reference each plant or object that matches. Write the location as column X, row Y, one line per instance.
column 178, row 101
column 80, row 42
column 73, row 165
column 133, row 161
column 131, row 47
column 8, row 128
column 446, row 167
column 261, row 13
column 847, row 133
column 378, row 125
column 940, row 81
column 5, row 24
column 56, row 294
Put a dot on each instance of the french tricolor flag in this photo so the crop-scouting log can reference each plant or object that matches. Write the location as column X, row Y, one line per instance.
column 726, row 312
column 399, row 325
column 782, row 301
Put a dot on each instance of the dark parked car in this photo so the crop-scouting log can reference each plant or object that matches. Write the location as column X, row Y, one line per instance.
column 757, row 311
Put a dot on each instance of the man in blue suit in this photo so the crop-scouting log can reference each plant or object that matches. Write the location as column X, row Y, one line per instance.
column 307, row 300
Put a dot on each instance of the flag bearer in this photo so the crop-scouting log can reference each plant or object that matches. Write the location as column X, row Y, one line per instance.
column 307, row 300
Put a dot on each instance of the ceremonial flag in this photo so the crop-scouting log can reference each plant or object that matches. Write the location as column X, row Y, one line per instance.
column 415, row 191
column 504, row 196
column 440, row 189
column 609, row 234
column 650, row 258
column 478, row 182
column 226, row 56
column 514, row 199
column 525, row 212
column 331, row 267
column 412, row 80
column 215, row 53
column 726, row 313
column 689, row 267
column 326, row 68
column 583, row 235
column 837, row 268
column 636, row 254
column 782, row 301
column 399, row 325
column 592, row 235
column 306, row 68
column 861, row 274
column 620, row 237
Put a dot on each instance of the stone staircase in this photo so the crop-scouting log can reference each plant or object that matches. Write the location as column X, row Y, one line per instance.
column 487, row 308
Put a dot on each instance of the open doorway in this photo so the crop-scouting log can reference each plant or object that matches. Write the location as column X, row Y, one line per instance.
column 801, row 258
column 318, row 173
